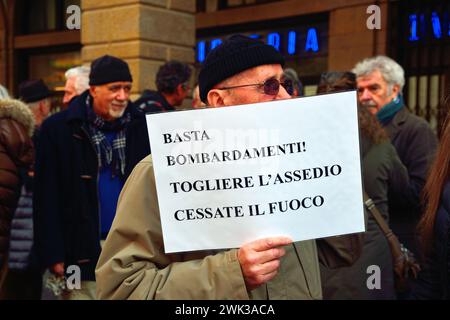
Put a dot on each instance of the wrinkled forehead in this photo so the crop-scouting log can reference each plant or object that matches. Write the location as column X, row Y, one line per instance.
column 374, row 77
column 114, row 85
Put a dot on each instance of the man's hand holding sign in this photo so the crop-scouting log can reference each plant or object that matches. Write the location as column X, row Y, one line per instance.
column 260, row 260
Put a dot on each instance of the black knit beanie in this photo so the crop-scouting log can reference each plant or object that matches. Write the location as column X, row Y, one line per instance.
column 236, row 54
column 107, row 69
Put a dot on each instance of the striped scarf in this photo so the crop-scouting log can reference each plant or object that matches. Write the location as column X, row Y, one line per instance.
column 112, row 155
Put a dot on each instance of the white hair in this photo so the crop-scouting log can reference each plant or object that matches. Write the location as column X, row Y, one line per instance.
column 391, row 71
column 4, row 93
column 81, row 75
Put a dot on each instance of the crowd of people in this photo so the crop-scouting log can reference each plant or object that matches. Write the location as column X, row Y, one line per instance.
column 61, row 176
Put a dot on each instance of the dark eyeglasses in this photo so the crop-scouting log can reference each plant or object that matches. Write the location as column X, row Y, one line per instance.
column 271, row 86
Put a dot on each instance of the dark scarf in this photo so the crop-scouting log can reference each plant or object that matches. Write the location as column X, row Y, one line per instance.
column 108, row 155
column 388, row 112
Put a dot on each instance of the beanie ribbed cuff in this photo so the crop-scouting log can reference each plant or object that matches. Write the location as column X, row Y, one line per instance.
column 108, row 69
column 222, row 64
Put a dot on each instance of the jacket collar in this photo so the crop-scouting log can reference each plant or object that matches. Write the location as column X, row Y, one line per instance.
column 394, row 126
column 156, row 96
column 77, row 110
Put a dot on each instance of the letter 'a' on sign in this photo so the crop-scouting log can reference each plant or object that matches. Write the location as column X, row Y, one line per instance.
column 312, row 43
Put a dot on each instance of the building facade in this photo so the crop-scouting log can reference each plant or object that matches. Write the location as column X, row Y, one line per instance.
column 333, row 35
column 315, row 37
column 43, row 38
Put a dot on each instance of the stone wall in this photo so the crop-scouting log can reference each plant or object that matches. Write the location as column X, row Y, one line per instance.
column 146, row 33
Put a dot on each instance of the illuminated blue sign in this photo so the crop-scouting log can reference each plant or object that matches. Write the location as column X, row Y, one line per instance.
column 292, row 41
column 312, row 43
column 304, row 42
column 436, row 23
column 215, row 43
column 201, row 51
column 413, row 28
column 274, row 40
column 434, row 26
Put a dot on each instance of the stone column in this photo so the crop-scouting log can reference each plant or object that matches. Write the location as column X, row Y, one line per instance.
column 145, row 33
column 349, row 38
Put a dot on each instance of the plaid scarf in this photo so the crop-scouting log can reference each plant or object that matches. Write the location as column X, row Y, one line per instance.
column 112, row 155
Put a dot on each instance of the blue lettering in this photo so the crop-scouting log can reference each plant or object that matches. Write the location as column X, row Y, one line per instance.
column 274, row 40
column 215, row 43
column 312, row 43
column 292, row 37
column 436, row 23
column 413, row 27
column 201, row 51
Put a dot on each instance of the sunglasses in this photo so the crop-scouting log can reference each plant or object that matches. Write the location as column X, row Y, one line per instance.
column 270, row 87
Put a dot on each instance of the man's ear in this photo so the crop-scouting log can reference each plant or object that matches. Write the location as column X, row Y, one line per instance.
column 93, row 91
column 395, row 90
column 179, row 90
column 215, row 98
column 44, row 106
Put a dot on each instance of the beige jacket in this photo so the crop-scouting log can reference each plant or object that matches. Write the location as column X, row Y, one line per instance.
column 133, row 264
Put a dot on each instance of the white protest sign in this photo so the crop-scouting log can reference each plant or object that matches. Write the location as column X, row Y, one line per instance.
column 228, row 176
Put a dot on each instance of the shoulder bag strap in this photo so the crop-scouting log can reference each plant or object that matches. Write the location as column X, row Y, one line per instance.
column 395, row 245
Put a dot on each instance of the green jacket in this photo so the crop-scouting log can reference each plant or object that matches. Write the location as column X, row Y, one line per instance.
column 133, row 264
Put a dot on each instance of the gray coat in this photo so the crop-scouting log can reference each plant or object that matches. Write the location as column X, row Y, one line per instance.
column 382, row 171
column 416, row 145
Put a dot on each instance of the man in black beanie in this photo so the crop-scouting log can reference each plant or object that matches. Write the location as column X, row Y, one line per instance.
column 239, row 71
column 80, row 170
column 242, row 70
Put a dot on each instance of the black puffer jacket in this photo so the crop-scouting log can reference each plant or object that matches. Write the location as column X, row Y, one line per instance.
column 16, row 153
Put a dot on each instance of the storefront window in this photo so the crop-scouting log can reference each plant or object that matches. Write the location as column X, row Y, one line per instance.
column 420, row 42
column 51, row 68
column 39, row 16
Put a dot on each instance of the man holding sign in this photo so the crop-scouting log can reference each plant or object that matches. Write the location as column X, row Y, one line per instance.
column 134, row 264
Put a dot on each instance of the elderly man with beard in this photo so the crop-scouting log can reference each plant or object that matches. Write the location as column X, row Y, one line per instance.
column 380, row 82
column 80, row 172
column 133, row 263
